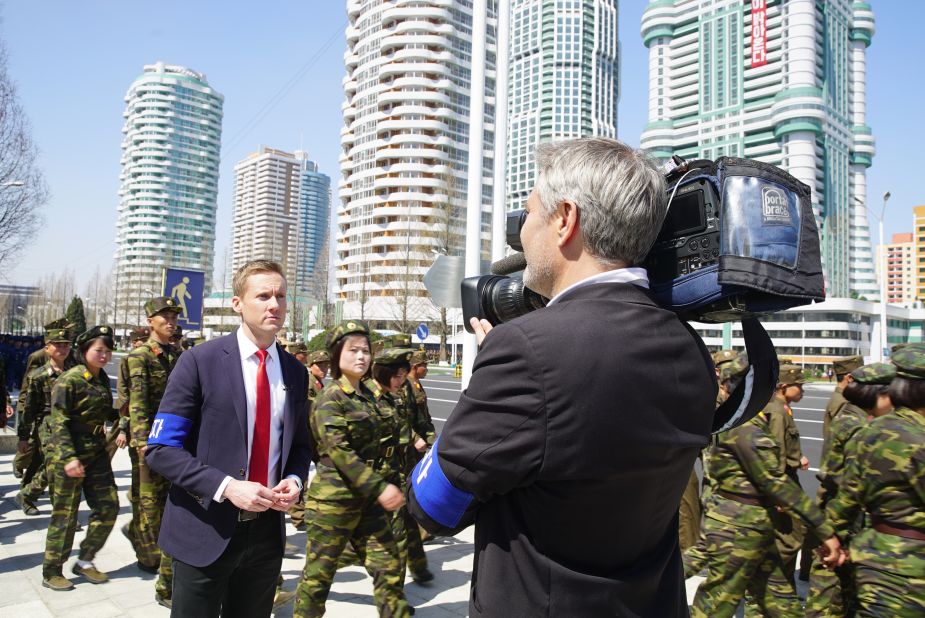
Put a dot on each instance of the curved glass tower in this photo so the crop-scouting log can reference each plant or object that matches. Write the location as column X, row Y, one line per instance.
column 169, row 183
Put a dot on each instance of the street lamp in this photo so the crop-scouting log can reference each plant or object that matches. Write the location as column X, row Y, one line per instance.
column 883, row 274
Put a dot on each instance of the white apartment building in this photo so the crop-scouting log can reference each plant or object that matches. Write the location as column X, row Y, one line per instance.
column 404, row 161
column 280, row 213
column 169, row 183
column 778, row 81
column 563, row 80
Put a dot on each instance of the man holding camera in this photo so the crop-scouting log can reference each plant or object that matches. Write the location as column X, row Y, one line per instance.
column 573, row 443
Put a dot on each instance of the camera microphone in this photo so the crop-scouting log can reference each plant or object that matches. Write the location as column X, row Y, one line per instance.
column 511, row 264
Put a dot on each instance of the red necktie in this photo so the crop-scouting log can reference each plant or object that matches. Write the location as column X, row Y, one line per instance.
column 260, row 447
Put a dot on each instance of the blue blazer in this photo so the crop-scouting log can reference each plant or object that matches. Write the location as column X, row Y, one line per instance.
column 199, row 437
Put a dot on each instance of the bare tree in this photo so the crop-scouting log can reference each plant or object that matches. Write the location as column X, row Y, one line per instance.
column 23, row 190
column 447, row 241
column 321, row 287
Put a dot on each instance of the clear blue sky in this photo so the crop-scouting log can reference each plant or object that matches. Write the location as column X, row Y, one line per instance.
column 73, row 62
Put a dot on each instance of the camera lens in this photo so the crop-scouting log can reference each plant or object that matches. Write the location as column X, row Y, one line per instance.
column 507, row 298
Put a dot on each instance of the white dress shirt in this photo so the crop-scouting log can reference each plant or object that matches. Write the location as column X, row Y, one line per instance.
column 635, row 275
column 250, row 363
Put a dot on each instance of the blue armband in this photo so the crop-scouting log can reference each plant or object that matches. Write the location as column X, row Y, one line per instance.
column 169, row 430
column 443, row 503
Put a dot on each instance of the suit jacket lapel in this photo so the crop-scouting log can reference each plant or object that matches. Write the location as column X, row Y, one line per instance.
column 232, row 362
column 289, row 415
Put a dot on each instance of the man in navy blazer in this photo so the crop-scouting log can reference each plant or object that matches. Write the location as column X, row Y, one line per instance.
column 231, row 435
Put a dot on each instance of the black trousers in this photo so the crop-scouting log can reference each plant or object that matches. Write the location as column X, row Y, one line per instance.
column 241, row 583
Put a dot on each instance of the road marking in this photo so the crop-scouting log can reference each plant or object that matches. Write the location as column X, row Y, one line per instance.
column 437, row 388
column 813, row 469
column 434, row 418
column 806, row 420
column 443, row 400
column 813, row 439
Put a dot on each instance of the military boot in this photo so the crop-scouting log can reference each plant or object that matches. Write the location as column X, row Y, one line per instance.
column 26, row 505
column 91, row 574
column 57, row 582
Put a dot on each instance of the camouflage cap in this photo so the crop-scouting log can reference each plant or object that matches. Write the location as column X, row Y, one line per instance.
column 875, row 373
column 141, row 333
column 910, row 361
column 58, row 335
column 847, row 364
column 724, row 356
column 400, row 341
column 735, row 368
column 161, row 303
column 297, row 348
column 897, row 347
column 791, row 374
column 319, row 356
column 97, row 331
column 419, row 357
column 347, row 327
column 393, row 356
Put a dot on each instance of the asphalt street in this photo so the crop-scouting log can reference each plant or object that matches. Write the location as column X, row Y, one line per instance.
column 443, row 392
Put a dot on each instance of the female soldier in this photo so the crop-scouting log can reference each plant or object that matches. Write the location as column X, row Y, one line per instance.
column 349, row 497
column 389, row 374
column 81, row 403
column 830, row 592
column 884, row 478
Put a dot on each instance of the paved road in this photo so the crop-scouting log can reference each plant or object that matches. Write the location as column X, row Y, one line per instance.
column 443, row 393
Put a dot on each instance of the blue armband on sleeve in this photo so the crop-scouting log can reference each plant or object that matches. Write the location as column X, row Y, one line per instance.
column 443, row 502
column 169, row 430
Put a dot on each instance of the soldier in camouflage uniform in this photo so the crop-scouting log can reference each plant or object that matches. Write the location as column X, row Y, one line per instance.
column 138, row 337
column 730, row 367
column 841, row 368
column 318, row 363
column 35, row 411
column 23, row 460
column 81, row 404
column 788, row 530
column 299, row 351
column 149, row 366
column 349, row 499
column 830, row 593
column 424, row 437
column 885, row 481
column 750, row 485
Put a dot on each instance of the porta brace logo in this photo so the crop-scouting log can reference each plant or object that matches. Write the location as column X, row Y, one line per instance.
column 775, row 209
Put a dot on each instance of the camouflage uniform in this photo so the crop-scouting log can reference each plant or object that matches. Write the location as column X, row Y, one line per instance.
column 746, row 466
column 315, row 386
column 80, row 405
column 341, row 500
column 34, row 421
column 424, row 429
column 149, row 366
column 25, row 463
column 885, row 478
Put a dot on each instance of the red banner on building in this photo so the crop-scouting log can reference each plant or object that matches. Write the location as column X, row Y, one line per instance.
column 759, row 33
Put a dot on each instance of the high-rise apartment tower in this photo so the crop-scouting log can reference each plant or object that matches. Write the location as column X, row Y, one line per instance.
column 280, row 213
column 779, row 81
column 563, row 80
column 169, row 183
column 404, row 160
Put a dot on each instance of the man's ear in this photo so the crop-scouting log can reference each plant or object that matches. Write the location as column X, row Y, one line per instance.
column 567, row 217
column 236, row 304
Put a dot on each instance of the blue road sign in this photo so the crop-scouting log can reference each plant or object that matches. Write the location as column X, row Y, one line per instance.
column 422, row 332
column 186, row 287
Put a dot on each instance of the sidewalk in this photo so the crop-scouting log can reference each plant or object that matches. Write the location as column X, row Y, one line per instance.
column 131, row 592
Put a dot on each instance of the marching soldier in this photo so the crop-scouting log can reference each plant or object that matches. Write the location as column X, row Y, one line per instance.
column 884, row 480
column 318, row 363
column 789, row 531
column 138, row 336
column 750, row 486
column 422, row 439
column 81, row 404
column 299, row 351
column 23, row 458
column 349, row 500
column 831, row 593
column 149, row 367
column 35, row 411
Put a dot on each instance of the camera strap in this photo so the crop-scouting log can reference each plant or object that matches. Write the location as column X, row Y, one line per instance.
column 757, row 388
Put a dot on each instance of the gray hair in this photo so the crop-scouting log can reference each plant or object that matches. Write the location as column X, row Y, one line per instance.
column 620, row 194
